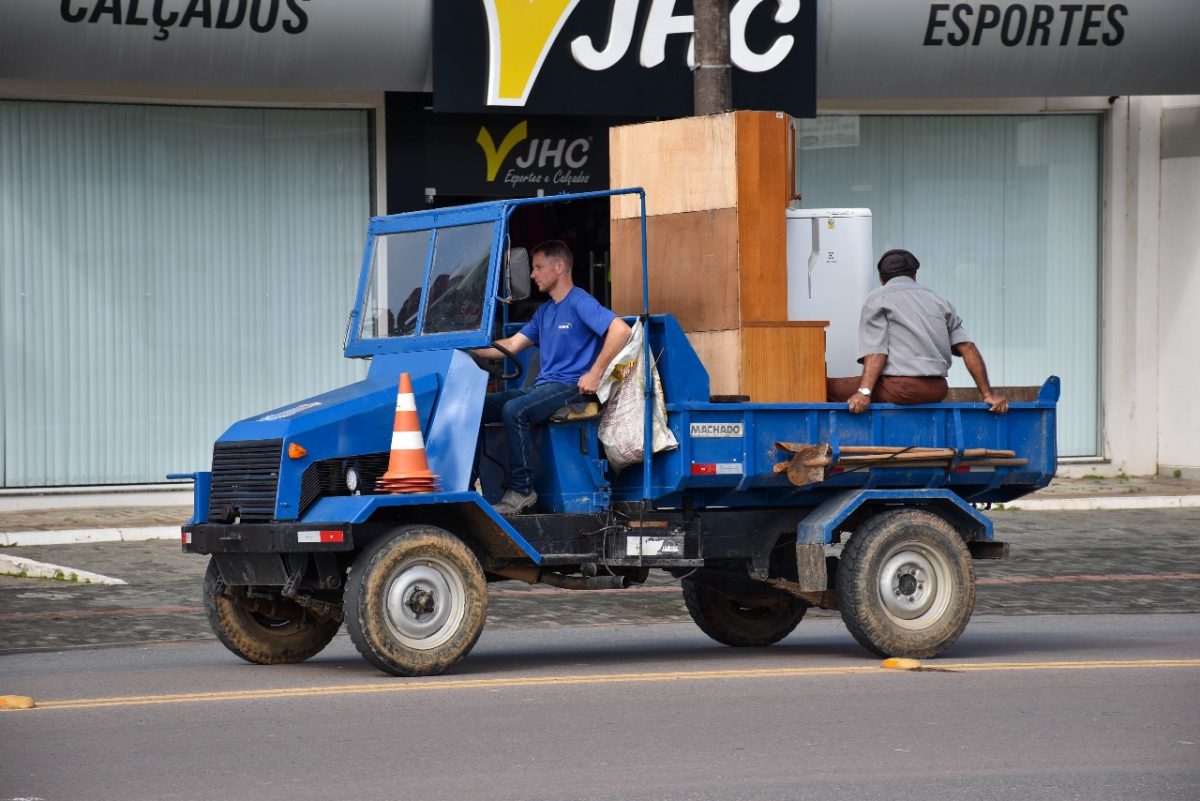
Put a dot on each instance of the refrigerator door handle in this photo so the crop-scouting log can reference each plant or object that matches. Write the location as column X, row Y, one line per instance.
column 815, row 255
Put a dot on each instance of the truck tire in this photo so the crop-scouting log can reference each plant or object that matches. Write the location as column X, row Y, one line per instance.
column 905, row 584
column 259, row 638
column 416, row 601
column 731, row 623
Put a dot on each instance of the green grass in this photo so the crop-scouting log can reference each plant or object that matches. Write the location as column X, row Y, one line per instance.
column 72, row 578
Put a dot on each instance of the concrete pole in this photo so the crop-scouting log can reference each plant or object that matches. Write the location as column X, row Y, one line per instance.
column 713, row 75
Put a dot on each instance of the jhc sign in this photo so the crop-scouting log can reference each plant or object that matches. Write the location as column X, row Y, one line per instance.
column 615, row 57
column 503, row 156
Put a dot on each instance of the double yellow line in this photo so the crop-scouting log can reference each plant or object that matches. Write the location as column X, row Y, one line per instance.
column 430, row 685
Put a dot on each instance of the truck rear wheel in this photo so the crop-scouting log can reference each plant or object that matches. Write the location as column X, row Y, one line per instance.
column 287, row 636
column 741, row 625
column 905, row 584
column 416, row 601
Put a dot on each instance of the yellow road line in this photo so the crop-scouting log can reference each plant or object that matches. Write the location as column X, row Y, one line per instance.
column 424, row 685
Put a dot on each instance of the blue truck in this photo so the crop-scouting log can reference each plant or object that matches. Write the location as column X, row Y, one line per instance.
column 762, row 510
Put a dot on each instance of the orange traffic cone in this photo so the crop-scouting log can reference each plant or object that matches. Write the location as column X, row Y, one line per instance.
column 408, row 469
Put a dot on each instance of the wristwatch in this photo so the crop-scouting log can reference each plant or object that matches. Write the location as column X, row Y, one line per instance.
column 864, row 391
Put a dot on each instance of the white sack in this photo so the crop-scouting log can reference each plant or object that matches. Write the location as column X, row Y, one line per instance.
column 622, row 389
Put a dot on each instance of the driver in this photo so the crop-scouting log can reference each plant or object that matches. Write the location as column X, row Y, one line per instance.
column 577, row 337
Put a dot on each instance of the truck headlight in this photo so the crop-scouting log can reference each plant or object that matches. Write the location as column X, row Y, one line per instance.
column 352, row 479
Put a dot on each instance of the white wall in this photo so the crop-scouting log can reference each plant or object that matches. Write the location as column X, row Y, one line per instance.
column 1129, row 287
column 1179, row 288
column 1151, row 281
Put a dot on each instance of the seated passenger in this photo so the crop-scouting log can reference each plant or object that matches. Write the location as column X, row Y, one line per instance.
column 906, row 336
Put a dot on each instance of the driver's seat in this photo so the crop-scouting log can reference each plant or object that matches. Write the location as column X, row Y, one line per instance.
column 584, row 410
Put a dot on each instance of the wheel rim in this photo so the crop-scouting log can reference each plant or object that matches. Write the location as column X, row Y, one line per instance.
column 425, row 602
column 915, row 585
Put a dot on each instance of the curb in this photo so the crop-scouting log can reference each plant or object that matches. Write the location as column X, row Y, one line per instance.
column 13, row 565
column 1107, row 503
column 85, row 535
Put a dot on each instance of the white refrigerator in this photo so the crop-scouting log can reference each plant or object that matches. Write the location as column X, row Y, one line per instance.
column 830, row 270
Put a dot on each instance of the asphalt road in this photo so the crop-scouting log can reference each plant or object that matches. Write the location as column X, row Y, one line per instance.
column 1022, row 707
column 1079, row 677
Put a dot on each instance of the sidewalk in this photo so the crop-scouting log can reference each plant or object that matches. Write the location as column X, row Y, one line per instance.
column 65, row 526
column 1122, row 492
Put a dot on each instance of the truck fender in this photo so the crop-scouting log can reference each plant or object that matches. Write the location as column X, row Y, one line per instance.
column 466, row 515
column 845, row 509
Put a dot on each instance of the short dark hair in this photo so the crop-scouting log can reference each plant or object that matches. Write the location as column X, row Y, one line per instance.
column 555, row 249
column 897, row 262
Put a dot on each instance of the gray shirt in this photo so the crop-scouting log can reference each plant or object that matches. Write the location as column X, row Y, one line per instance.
column 911, row 325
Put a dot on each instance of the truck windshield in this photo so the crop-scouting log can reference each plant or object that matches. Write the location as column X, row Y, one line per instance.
column 456, row 281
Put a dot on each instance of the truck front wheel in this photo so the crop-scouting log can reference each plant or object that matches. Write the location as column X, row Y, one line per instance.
column 286, row 635
column 905, row 584
column 416, row 601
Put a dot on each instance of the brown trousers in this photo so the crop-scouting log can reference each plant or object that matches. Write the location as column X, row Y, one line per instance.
column 890, row 389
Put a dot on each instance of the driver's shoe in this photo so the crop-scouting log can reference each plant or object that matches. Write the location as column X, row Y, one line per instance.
column 514, row 503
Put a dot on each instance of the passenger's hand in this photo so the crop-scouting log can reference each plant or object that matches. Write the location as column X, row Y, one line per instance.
column 589, row 382
column 858, row 403
column 999, row 403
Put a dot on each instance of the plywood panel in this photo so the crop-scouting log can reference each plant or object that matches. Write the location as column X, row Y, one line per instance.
column 784, row 362
column 763, row 169
column 721, row 354
column 693, row 268
column 684, row 165
column 1013, row 394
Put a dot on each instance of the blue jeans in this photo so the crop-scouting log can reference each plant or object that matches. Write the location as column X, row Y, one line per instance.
column 519, row 409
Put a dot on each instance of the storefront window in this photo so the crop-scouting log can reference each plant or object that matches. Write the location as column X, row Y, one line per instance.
column 1003, row 213
column 179, row 267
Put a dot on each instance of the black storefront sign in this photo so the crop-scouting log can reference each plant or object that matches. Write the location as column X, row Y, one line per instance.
column 514, row 156
column 615, row 57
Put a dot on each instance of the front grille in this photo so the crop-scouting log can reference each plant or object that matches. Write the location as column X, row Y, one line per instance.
column 328, row 477
column 245, row 479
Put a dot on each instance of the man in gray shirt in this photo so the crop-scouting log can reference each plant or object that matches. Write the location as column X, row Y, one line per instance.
column 906, row 336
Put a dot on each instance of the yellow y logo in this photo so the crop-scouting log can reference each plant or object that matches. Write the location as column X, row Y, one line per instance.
column 495, row 156
column 520, row 33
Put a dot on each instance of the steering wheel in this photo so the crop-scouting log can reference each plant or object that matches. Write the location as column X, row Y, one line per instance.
column 520, row 369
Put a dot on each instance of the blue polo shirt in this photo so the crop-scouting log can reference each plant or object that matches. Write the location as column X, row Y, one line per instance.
column 570, row 334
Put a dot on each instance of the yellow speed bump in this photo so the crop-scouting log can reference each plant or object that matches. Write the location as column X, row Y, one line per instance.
column 16, row 702
column 896, row 663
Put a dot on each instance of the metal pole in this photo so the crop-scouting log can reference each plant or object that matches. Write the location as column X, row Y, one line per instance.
column 713, row 74
column 648, row 427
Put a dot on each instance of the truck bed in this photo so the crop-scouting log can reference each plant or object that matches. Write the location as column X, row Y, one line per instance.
column 728, row 452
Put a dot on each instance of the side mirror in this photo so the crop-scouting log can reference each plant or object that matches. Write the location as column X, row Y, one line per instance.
column 516, row 274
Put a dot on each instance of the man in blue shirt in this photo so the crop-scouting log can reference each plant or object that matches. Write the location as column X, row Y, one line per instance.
column 577, row 337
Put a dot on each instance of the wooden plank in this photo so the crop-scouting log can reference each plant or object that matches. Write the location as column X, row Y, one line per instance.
column 786, row 324
column 762, row 197
column 783, row 363
column 1013, row 394
column 721, row 354
column 684, row 165
column 693, row 268
column 885, row 462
